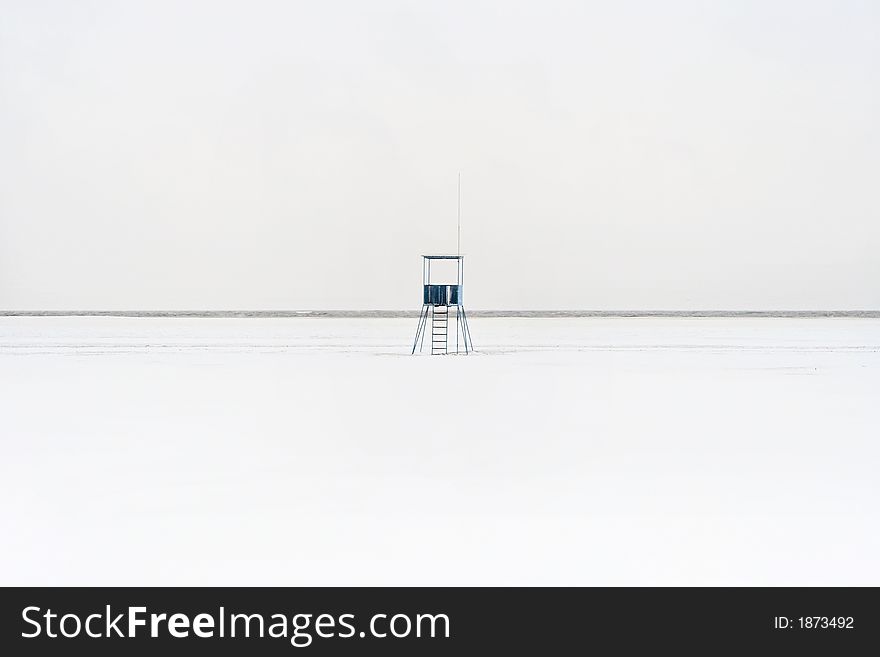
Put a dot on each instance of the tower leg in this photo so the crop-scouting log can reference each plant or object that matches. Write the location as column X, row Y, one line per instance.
column 429, row 309
column 467, row 332
column 423, row 316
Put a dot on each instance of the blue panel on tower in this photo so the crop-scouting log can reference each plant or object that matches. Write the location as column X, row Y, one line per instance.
column 442, row 295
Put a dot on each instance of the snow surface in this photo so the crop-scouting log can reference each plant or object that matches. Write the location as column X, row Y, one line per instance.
column 318, row 452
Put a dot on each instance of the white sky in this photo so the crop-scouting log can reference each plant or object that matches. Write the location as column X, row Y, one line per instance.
column 172, row 154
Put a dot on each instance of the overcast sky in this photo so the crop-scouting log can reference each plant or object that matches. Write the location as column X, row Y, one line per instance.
column 251, row 154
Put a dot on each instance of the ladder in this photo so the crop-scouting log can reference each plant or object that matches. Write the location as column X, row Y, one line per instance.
column 439, row 329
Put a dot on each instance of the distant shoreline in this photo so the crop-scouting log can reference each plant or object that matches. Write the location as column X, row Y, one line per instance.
column 390, row 314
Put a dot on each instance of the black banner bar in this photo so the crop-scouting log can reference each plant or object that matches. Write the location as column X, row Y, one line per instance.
column 435, row 621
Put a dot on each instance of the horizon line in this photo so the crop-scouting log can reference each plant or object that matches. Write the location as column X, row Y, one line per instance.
column 395, row 314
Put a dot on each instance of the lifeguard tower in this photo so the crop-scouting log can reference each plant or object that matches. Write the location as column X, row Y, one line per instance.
column 437, row 299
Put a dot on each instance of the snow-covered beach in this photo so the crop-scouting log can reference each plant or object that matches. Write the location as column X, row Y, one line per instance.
column 616, row 451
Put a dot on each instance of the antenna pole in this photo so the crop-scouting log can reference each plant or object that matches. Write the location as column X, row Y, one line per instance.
column 458, row 251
